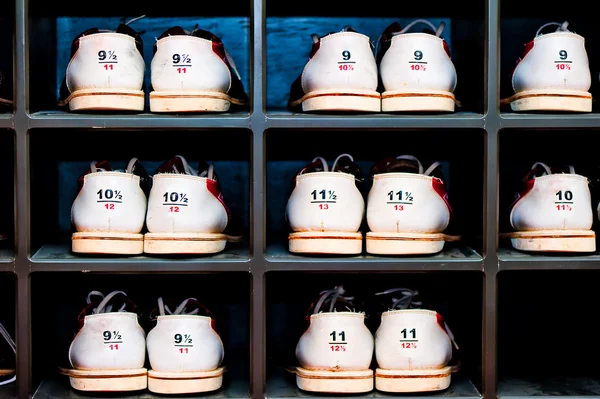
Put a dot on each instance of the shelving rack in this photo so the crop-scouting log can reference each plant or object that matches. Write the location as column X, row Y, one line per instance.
column 492, row 262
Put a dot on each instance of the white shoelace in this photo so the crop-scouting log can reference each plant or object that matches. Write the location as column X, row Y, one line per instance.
column 130, row 165
column 326, row 166
column 191, row 171
column 438, row 31
column 103, row 306
column 547, row 168
column 421, row 172
column 333, row 295
column 562, row 27
column 164, row 309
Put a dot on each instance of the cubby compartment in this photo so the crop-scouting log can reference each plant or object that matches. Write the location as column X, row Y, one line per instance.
column 8, row 386
column 7, row 26
column 55, row 171
column 289, row 296
column 7, row 201
column 58, row 298
column 291, row 28
column 289, row 151
column 519, row 150
column 547, row 344
column 519, row 23
column 53, row 27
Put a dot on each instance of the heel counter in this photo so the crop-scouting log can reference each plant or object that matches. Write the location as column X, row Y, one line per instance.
column 188, row 63
column 106, row 61
column 343, row 61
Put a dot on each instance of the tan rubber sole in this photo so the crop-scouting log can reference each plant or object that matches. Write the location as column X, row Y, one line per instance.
column 105, row 100
column 191, row 101
column 107, row 243
column 554, row 240
column 412, row 380
column 330, row 242
column 556, row 100
column 183, row 383
column 356, row 381
column 108, row 380
column 340, row 100
column 184, row 243
column 424, row 101
column 406, row 243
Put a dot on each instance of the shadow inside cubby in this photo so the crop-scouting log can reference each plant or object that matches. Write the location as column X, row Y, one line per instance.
column 547, row 343
column 8, row 385
column 7, row 200
column 58, row 298
column 518, row 25
column 288, row 28
column 7, row 37
column 520, row 149
column 55, row 171
column 462, row 168
column 54, row 26
column 290, row 294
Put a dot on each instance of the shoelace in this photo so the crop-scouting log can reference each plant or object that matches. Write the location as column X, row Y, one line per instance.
column 129, row 169
column 103, row 306
column 13, row 346
column 333, row 295
column 421, row 172
column 438, row 31
column 191, row 171
column 562, row 27
column 326, row 166
column 164, row 309
column 548, row 170
column 407, row 302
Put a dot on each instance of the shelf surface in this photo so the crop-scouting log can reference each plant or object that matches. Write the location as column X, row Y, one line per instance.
column 549, row 120
column 283, row 119
column 6, row 120
column 451, row 258
column 281, row 384
column 571, row 387
column 51, row 119
column 58, row 387
column 8, row 391
column 511, row 259
column 60, row 258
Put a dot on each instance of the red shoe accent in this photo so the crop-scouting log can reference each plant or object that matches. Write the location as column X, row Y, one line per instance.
column 447, row 49
column 440, row 320
column 439, row 187
column 527, row 49
column 528, row 187
column 213, row 187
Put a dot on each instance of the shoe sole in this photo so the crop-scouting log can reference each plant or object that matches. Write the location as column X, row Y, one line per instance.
column 556, row 100
column 108, row 380
column 107, row 243
column 387, row 380
column 423, row 100
column 191, row 101
column 406, row 243
column 184, row 243
column 340, row 100
column 355, row 381
column 185, row 382
column 554, row 240
column 331, row 242
column 105, row 100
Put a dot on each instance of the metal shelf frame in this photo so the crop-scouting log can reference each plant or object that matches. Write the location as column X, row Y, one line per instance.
column 260, row 262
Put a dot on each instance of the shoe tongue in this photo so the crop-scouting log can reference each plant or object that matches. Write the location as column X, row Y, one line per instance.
column 313, row 167
column 177, row 165
column 346, row 165
column 179, row 31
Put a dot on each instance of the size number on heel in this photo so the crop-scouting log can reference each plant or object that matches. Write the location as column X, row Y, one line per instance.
column 408, row 338
column 563, row 63
column 400, row 199
column 564, row 200
column 109, row 197
column 418, row 64
column 112, row 339
column 338, row 342
column 323, row 198
column 181, row 62
column 174, row 200
column 108, row 59
column 183, row 343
